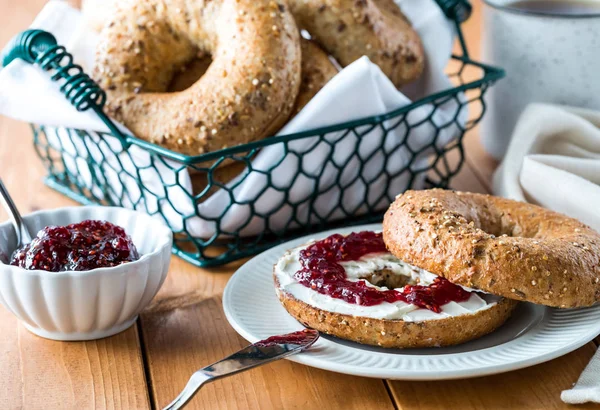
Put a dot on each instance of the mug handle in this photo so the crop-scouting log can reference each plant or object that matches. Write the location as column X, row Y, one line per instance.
column 40, row 47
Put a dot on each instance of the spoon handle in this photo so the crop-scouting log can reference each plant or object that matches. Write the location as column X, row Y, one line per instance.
column 23, row 236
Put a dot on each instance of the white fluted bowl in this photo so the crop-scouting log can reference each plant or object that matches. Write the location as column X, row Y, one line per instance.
column 88, row 304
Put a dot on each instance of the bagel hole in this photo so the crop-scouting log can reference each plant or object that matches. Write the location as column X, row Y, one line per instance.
column 189, row 73
column 498, row 226
column 389, row 279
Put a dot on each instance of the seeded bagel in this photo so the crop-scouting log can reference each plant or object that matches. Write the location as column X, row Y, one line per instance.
column 500, row 246
column 247, row 93
column 350, row 29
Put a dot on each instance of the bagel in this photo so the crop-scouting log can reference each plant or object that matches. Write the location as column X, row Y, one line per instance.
column 500, row 246
column 350, row 29
column 331, row 307
column 247, row 93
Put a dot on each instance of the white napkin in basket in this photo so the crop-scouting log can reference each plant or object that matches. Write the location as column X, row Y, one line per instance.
column 360, row 90
column 553, row 160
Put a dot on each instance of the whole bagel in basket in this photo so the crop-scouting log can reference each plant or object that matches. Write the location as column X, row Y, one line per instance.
column 247, row 93
column 350, row 29
column 497, row 245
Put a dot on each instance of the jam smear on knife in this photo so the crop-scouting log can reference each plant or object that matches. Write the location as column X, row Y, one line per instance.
column 300, row 337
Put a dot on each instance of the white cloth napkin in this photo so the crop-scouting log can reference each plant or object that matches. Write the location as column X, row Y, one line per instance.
column 358, row 91
column 587, row 388
column 554, row 160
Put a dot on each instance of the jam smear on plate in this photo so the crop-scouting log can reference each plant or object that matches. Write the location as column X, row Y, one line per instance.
column 77, row 247
column 322, row 272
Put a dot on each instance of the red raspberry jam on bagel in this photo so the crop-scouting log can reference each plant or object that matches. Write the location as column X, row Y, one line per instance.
column 322, row 272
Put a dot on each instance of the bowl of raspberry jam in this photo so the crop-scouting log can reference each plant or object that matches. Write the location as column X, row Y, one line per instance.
column 87, row 273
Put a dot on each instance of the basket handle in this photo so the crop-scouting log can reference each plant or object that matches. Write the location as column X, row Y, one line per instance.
column 458, row 10
column 41, row 48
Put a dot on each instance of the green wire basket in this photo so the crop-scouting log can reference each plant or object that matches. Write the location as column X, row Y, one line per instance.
column 121, row 170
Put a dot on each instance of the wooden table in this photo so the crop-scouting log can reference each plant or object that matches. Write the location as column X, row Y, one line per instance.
column 185, row 328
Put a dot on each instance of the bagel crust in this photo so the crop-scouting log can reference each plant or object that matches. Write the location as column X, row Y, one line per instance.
column 246, row 94
column 398, row 333
column 350, row 29
column 500, row 246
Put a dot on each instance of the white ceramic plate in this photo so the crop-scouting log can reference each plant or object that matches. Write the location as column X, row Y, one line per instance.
column 533, row 335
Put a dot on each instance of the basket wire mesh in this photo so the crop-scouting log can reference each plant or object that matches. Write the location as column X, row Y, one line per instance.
column 120, row 170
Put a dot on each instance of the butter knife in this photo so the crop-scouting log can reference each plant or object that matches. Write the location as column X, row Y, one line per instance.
column 257, row 354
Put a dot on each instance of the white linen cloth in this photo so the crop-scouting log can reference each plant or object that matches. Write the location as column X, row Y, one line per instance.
column 587, row 388
column 360, row 90
column 553, row 160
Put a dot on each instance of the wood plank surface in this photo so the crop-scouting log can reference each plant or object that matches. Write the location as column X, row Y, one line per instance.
column 44, row 374
column 36, row 373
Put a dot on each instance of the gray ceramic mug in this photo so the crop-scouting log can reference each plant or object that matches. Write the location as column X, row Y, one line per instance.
column 549, row 56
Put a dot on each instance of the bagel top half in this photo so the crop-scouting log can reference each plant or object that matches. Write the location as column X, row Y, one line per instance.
column 500, row 246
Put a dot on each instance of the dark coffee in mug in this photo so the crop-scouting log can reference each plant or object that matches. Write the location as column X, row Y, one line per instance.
column 557, row 7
